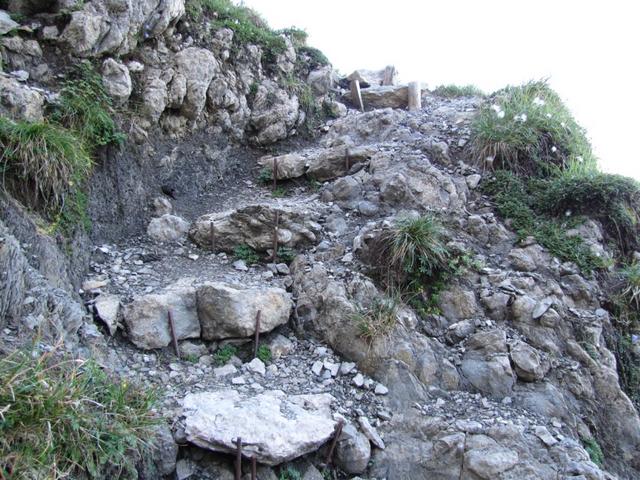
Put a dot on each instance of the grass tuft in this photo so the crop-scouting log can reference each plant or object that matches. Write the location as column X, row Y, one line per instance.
column 593, row 449
column 264, row 354
column 454, row 91
column 246, row 253
column 528, row 130
column 224, row 354
column 61, row 417
column 378, row 319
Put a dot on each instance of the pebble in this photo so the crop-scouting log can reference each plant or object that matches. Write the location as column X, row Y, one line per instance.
column 358, row 380
column 316, row 368
column 371, row 433
column 256, row 366
column 381, row 389
column 238, row 381
column 240, row 265
column 347, row 367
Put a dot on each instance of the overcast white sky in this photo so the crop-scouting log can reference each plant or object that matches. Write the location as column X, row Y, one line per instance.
column 590, row 51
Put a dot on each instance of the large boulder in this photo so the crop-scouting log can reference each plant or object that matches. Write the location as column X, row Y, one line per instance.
column 106, row 308
column 353, row 450
column 228, row 311
column 486, row 363
column 529, row 364
column 375, row 78
column 254, row 226
column 195, row 68
column 147, row 321
column 273, row 426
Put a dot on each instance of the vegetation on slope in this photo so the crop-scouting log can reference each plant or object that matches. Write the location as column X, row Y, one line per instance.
column 46, row 164
column 60, row 417
column 546, row 179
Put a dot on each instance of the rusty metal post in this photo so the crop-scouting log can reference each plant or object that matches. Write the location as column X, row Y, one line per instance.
column 254, row 468
column 211, row 236
column 347, row 165
column 172, row 330
column 257, row 337
column 238, row 459
column 334, row 441
column 275, row 173
column 275, row 238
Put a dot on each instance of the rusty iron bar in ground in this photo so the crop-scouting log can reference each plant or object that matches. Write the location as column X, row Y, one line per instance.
column 172, row 330
column 238, row 443
column 275, row 238
column 334, row 441
column 257, row 337
column 346, row 159
column 275, row 173
column 254, row 468
column 211, row 236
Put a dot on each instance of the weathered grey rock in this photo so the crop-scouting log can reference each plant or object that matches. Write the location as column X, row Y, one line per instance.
column 371, row 433
column 528, row 259
column 274, row 427
column 162, row 206
column 228, row 311
column 165, row 450
column 274, row 113
column 197, row 66
column 352, row 450
column 458, row 303
column 393, row 96
column 528, row 363
column 280, row 346
column 116, row 80
column 107, row 307
column 321, row 80
column 489, row 463
column 290, row 165
column 254, row 226
column 486, row 364
column 13, row 277
column 256, row 366
column 146, row 317
column 369, row 78
column 103, row 26
column 168, row 228
column 19, row 101
column 6, row 23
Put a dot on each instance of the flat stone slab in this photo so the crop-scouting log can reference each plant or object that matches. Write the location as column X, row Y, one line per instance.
column 274, row 427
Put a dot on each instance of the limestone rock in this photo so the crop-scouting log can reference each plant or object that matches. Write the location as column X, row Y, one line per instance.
column 352, row 450
column 107, row 307
column 528, row 363
column 116, row 80
column 20, row 101
column 274, row 427
column 197, row 66
column 228, row 311
column 6, row 23
column 162, row 206
column 164, row 450
column 146, row 317
column 254, row 226
column 321, row 80
column 489, row 463
column 168, row 228
column 274, row 113
column 385, row 97
column 372, row 78
column 486, row 364
column 458, row 304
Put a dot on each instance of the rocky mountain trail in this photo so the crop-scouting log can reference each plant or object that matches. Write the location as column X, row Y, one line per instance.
column 279, row 310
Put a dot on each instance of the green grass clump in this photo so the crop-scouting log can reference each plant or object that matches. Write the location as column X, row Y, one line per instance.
column 289, row 473
column 45, row 159
column 286, row 254
column 61, row 418
column 519, row 201
column 454, row 91
column 246, row 253
column 630, row 291
column 593, row 449
column 248, row 26
column 224, row 354
column 279, row 192
column 378, row 319
column 264, row 353
column 312, row 57
column 613, row 200
column 527, row 129
column 265, row 175
column 85, row 107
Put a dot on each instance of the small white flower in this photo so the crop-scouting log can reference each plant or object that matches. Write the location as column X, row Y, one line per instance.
column 554, row 149
column 548, row 115
column 562, row 124
column 496, row 108
column 538, row 101
column 567, row 213
column 579, row 159
column 521, row 118
column 500, row 114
